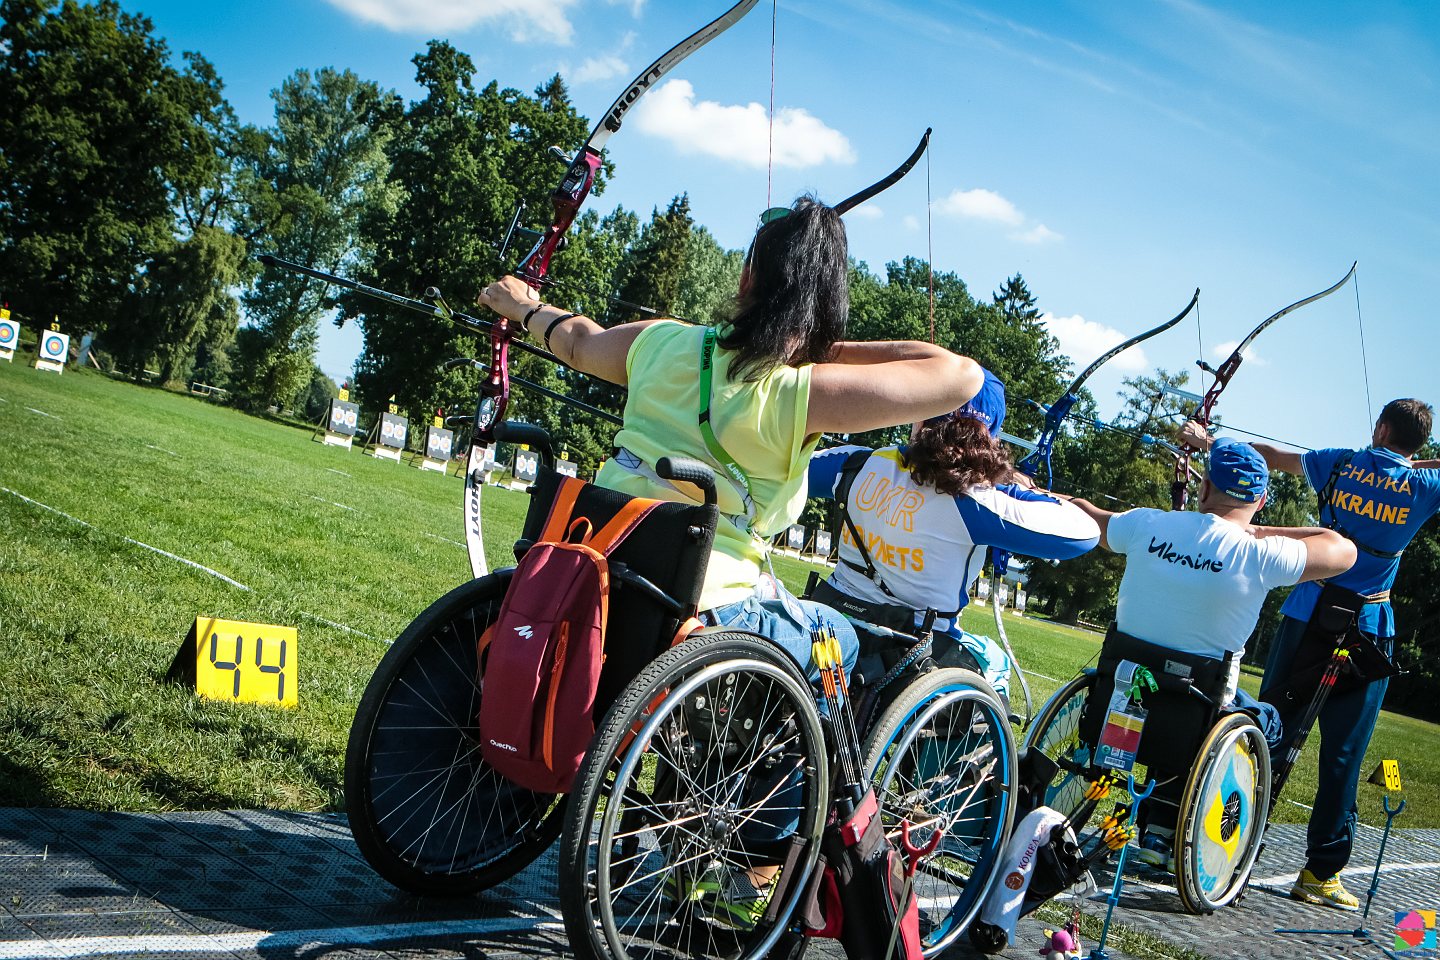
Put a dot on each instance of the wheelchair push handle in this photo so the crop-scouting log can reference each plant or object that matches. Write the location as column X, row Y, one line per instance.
column 687, row 470
column 511, row 431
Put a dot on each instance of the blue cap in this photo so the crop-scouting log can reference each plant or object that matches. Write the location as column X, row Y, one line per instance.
column 1237, row 470
column 987, row 406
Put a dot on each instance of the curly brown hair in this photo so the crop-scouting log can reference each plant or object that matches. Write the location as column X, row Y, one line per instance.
column 954, row 454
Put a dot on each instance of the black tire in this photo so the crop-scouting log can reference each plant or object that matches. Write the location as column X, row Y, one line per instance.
column 1055, row 732
column 428, row 813
column 1222, row 815
column 943, row 754
column 695, row 751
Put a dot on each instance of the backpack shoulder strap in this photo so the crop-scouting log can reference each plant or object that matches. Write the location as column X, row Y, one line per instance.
column 561, row 510
column 608, row 537
column 848, row 473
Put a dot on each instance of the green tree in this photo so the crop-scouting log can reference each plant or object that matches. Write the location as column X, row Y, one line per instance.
column 462, row 160
column 317, row 172
column 1016, row 301
column 101, row 135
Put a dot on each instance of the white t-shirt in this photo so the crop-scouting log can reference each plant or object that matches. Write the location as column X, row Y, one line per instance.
column 1194, row 582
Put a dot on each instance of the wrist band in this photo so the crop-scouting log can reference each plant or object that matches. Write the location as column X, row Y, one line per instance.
column 525, row 323
column 555, row 323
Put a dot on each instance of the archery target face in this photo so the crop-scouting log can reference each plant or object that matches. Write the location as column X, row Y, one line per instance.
column 343, row 417
column 822, row 543
column 567, row 468
column 438, row 443
column 9, row 334
column 54, row 347
column 527, row 465
column 795, row 537
column 392, row 430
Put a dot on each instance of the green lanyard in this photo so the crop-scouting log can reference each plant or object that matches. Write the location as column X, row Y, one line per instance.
column 707, row 432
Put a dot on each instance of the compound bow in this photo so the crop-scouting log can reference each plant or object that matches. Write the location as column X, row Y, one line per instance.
column 1179, row 486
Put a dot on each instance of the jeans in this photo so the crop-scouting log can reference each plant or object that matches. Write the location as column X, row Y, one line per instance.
column 1346, row 722
column 786, row 621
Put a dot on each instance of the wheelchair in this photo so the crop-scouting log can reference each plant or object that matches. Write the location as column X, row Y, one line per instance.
column 1210, row 766
column 710, row 759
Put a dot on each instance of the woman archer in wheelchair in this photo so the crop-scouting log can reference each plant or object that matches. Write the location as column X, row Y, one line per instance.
column 719, row 819
column 917, row 520
column 1190, row 597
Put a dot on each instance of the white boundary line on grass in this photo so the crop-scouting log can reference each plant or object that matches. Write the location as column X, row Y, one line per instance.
column 264, row 941
column 44, row 414
column 442, row 539
column 332, row 503
column 341, row 472
column 189, row 563
column 162, row 449
column 164, row 553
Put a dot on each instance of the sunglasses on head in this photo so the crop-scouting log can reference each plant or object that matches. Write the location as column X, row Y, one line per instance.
column 773, row 214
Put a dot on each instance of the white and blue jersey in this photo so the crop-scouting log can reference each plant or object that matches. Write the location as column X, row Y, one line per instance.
column 1380, row 501
column 929, row 547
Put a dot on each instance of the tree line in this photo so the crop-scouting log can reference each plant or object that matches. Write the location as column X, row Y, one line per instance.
column 134, row 203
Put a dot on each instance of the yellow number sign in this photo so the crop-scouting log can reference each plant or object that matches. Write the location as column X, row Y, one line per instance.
column 234, row 660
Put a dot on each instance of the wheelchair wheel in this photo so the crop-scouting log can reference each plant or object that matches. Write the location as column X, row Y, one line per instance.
column 1055, row 732
column 711, row 763
column 428, row 813
column 943, row 758
column 1222, row 815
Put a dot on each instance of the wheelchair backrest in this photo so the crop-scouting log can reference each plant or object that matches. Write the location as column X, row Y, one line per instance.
column 670, row 548
column 1177, row 720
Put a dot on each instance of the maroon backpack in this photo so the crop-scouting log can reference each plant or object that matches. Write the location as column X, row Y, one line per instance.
column 546, row 647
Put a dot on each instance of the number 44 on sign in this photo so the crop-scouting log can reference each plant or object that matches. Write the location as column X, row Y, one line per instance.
column 234, row 660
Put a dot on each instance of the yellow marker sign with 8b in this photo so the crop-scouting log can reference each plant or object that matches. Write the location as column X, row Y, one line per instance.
column 251, row 662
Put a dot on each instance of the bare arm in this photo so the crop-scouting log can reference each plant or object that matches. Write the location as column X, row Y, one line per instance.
column 1099, row 515
column 873, row 385
column 1276, row 458
column 1327, row 554
column 578, row 341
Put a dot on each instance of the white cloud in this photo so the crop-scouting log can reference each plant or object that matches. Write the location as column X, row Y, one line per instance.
column 636, row 6
column 911, row 222
column 1084, row 340
column 987, row 206
column 866, row 211
column 527, row 20
column 738, row 133
column 598, row 68
column 1222, row 350
column 980, row 204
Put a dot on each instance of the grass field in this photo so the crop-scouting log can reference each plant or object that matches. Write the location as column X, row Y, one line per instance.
column 344, row 547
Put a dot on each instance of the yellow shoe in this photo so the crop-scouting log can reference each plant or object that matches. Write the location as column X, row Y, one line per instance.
column 1327, row 893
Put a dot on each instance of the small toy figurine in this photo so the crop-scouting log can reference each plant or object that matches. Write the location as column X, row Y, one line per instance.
column 1063, row 944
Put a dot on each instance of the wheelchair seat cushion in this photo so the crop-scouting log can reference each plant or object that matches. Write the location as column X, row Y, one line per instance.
column 1176, row 720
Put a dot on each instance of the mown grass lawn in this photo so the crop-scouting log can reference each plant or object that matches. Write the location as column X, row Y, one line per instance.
column 344, row 547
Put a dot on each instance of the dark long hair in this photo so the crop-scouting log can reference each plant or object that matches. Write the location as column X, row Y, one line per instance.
column 794, row 307
column 953, row 454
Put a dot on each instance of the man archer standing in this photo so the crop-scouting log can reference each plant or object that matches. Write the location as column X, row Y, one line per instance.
column 1378, row 498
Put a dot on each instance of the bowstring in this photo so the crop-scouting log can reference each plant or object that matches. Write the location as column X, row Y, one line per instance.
column 929, row 241
column 770, row 149
column 1364, row 357
column 1200, row 346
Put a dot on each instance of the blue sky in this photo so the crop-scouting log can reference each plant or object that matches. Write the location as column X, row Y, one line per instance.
column 1116, row 154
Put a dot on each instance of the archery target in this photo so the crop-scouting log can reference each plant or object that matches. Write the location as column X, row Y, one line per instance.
column 9, row 335
column 54, row 347
column 527, row 465
column 795, row 537
column 344, row 416
column 438, row 443
column 392, row 430
column 822, row 543
column 567, row 468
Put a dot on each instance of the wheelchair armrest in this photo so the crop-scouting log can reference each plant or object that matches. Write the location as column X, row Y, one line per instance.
column 687, row 470
column 511, row 431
